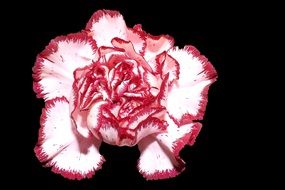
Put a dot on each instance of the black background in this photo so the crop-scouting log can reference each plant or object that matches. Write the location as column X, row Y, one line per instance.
column 201, row 24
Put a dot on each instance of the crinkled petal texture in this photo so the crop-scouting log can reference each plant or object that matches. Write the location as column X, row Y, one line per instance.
column 53, row 70
column 160, row 153
column 121, row 86
column 62, row 147
column 196, row 75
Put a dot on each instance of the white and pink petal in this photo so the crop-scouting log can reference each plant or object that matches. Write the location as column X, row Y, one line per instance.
column 167, row 65
column 156, row 45
column 156, row 161
column 109, row 133
column 190, row 105
column 150, row 126
column 105, row 25
column 138, row 40
column 95, row 118
column 62, row 148
column 53, row 70
column 141, row 115
column 176, row 137
column 163, row 150
column 194, row 67
column 196, row 75
column 130, row 51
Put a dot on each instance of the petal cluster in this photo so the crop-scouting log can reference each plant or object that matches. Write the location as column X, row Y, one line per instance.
column 122, row 86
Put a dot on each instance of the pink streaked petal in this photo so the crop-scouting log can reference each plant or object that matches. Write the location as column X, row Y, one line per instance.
column 190, row 105
column 127, row 107
column 167, row 65
column 196, row 75
column 138, row 40
column 90, row 98
column 163, row 149
column 130, row 51
column 104, row 54
column 116, row 59
column 109, row 133
column 154, row 82
column 80, row 122
column 104, row 25
column 152, row 125
column 163, row 91
column 77, row 112
column 196, row 128
column 156, row 161
column 53, row 70
column 152, row 79
column 112, row 133
column 114, row 109
column 95, row 117
column 156, row 45
column 141, row 115
column 194, row 67
column 76, row 115
column 86, row 89
column 62, row 148
column 176, row 137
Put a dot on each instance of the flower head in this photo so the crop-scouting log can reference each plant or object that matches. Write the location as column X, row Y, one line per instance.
column 121, row 86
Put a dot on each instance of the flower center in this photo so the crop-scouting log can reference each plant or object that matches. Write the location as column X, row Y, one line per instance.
column 121, row 86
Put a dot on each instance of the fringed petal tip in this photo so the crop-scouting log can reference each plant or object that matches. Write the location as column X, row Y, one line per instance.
column 196, row 76
column 61, row 147
column 54, row 66
column 77, row 175
column 165, row 174
column 122, row 86
column 163, row 150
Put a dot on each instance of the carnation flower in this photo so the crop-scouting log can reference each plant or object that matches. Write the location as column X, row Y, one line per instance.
column 122, row 86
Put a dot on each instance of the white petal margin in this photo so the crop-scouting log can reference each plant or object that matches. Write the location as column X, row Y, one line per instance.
column 187, row 98
column 62, row 148
column 105, row 25
column 160, row 153
column 53, row 70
